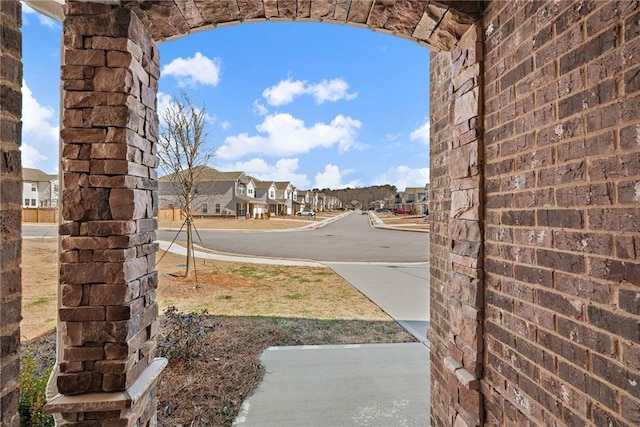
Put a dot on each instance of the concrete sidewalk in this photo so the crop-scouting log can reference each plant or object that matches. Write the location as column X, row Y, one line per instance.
column 355, row 385
column 401, row 290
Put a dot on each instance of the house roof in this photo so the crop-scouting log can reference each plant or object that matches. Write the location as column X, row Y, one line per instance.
column 36, row 175
column 209, row 174
column 282, row 185
column 261, row 185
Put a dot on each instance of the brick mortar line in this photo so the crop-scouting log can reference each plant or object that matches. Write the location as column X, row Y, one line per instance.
column 555, row 375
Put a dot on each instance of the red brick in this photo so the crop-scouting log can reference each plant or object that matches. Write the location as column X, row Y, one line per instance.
column 614, row 167
column 567, row 173
column 585, row 195
column 616, row 271
column 615, row 219
column 561, row 218
column 592, row 49
column 560, row 304
column 631, row 410
column 533, row 275
column 594, row 243
column 632, row 27
column 590, row 98
column 567, row 349
column 583, row 287
column 563, row 261
column 612, row 373
column 617, row 323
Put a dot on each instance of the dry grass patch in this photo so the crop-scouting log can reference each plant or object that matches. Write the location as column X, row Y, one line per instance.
column 240, row 309
column 279, row 223
column 39, row 287
column 239, row 289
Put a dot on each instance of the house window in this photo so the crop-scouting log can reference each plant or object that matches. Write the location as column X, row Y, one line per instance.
column 33, row 202
column 26, row 202
column 34, row 187
column 205, row 208
column 55, row 188
column 250, row 191
column 272, row 195
column 217, row 208
column 241, row 189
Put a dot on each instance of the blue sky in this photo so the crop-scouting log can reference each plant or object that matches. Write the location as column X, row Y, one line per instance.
column 319, row 105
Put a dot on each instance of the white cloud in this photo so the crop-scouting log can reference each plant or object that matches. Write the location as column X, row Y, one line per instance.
column 31, row 156
column 283, row 170
column 163, row 103
column 422, row 133
column 225, row 125
column 43, row 19
column 331, row 90
column 284, row 92
column 327, row 90
column 332, row 177
column 403, row 176
column 36, row 118
column 284, row 135
column 193, row 71
column 259, row 109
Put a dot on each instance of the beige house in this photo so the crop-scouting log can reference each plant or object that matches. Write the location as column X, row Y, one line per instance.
column 216, row 194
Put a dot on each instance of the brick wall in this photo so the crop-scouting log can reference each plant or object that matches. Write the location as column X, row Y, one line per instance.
column 456, row 235
column 562, row 236
column 10, row 208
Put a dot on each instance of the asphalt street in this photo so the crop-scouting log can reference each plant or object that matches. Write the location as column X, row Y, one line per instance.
column 350, row 239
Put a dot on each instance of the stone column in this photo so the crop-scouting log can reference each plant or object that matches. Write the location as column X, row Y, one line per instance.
column 463, row 361
column 108, row 371
column 10, row 208
column 456, row 234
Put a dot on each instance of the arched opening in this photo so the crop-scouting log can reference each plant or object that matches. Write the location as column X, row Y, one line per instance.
column 120, row 197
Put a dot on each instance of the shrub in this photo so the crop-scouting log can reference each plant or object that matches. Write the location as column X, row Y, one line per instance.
column 33, row 387
column 183, row 336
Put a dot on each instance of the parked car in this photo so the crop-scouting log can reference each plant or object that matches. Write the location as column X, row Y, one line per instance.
column 382, row 210
column 306, row 213
column 401, row 212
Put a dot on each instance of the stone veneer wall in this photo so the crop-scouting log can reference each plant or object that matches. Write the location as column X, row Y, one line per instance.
column 107, row 264
column 562, row 236
column 10, row 207
column 456, row 233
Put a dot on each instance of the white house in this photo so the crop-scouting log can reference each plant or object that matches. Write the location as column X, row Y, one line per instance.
column 39, row 190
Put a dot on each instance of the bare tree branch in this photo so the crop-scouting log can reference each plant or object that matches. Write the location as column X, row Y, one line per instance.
column 183, row 156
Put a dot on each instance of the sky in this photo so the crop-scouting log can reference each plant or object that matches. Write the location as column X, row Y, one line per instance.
column 319, row 105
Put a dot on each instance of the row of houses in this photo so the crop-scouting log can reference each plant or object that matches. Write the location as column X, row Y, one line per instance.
column 235, row 194
column 232, row 194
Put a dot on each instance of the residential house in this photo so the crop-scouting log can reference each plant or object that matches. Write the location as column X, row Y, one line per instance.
column 416, row 199
column 216, row 194
column 266, row 191
column 284, row 197
column 39, row 190
column 305, row 198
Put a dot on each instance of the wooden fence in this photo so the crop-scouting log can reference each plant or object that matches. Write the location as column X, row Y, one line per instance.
column 48, row 215
column 170, row 214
